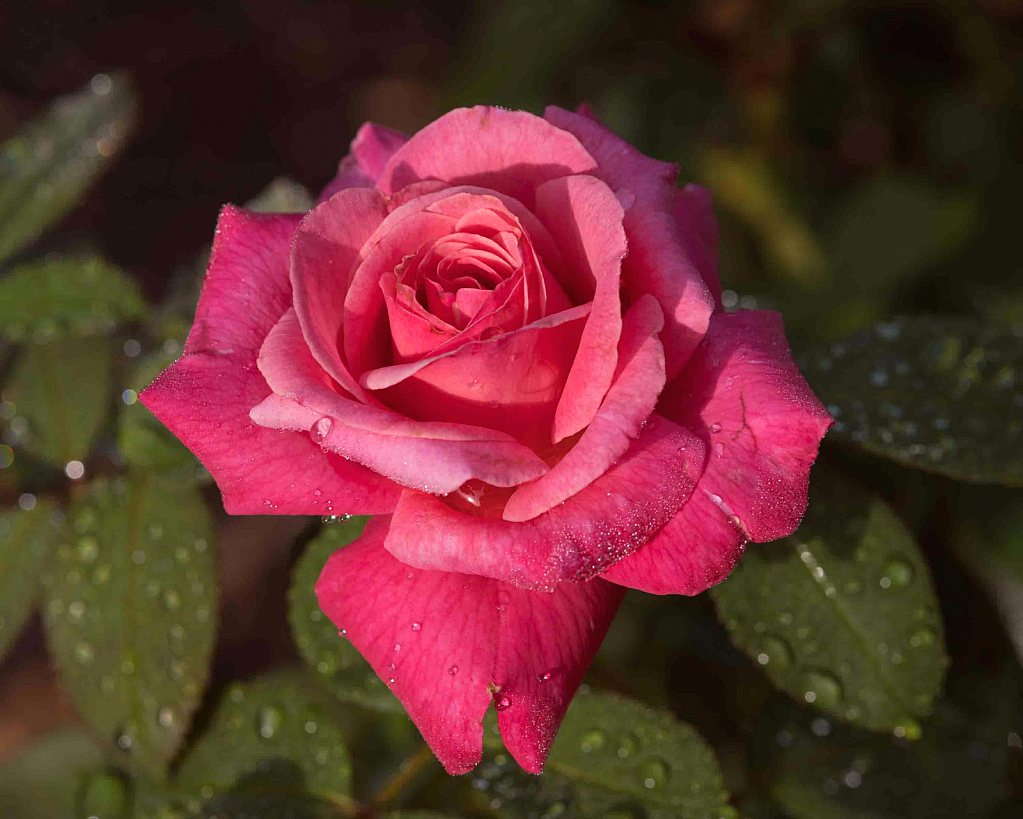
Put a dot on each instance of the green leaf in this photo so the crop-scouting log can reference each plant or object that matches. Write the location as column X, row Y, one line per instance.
column 143, row 440
column 45, row 779
column 66, row 294
column 46, row 168
column 26, row 539
column 942, row 395
column 962, row 766
column 843, row 613
column 282, row 195
column 612, row 757
column 63, row 389
column 130, row 613
column 335, row 660
column 895, row 226
column 273, row 736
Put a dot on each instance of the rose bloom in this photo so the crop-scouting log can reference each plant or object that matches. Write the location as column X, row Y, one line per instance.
column 503, row 337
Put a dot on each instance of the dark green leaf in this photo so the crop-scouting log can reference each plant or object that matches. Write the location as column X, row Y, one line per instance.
column 612, row 757
column 45, row 168
column 130, row 613
column 283, row 195
column 842, row 614
column 335, row 660
column 143, row 440
column 272, row 736
column 962, row 766
column 44, row 780
column 26, row 539
column 63, row 389
column 61, row 294
column 943, row 395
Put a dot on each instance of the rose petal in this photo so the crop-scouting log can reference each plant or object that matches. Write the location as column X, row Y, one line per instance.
column 638, row 381
column 437, row 457
column 414, row 331
column 599, row 525
column 247, row 286
column 372, row 147
column 742, row 394
column 325, row 251
column 657, row 262
column 698, row 231
column 585, row 217
column 697, row 549
column 510, row 382
column 513, row 152
column 204, row 399
column 445, row 641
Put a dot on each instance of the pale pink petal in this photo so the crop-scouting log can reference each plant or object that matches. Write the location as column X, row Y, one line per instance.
column 247, row 286
column 372, row 147
column 512, row 152
column 432, row 456
column 205, row 398
column 599, row 525
column 585, row 217
column 630, row 401
column 742, row 394
column 657, row 262
column 698, row 230
column 367, row 341
column 509, row 382
column 325, row 251
column 447, row 644
column 414, row 331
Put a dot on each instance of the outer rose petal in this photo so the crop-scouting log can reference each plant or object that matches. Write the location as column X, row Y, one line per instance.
column 513, row 152
column 443, row 641
column 601, row 524
column 742, row 393
column 326, row 247
column 205, row 397
column 247, row 286
column 372, row 147
column 655, row 263
column 698, row 230
column 436, row 457
column 632, row 397
column 584, row 215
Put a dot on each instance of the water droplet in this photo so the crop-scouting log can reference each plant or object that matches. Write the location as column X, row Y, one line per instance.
column 453, row 670
column 502, row 703
column 124, row 737
column 822, row 688
column 329, row 520
column 593, row 740
column 715, row 428
column 397, row 646
column 626, row 197
column 76, row 609
column 165, row 717
column 896, row 573
column 626, row 747
column 88, row 549
column 171, row 599
column 544, row 677
column 775, row 651
column 417, row 626
column 269, row 721
column 924, row 637
column 101, row 574
column 654, row 773
column 908, row 728
column 310, row 727
column 83, row 653
column 321, row 429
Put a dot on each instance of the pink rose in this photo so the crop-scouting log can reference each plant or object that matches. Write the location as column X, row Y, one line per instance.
column 502, row 336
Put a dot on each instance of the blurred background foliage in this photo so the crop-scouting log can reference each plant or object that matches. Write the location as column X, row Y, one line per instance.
column 865, row 160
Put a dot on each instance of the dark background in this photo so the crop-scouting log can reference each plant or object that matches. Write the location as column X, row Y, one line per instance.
column 809, row 100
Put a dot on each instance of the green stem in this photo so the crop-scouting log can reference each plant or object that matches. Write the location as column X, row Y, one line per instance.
column 407, row 771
